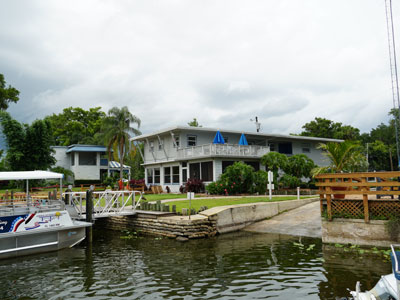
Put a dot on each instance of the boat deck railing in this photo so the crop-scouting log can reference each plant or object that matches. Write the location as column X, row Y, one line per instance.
column 105, row 203
column 28, row 205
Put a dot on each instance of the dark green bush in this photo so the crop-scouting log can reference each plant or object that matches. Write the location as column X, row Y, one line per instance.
column 260, row 182
column 289, row 181
column 238, row 178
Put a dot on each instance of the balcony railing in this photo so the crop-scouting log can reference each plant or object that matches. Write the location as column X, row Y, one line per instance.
column 227, row 150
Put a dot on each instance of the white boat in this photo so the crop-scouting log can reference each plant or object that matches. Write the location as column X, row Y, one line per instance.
column 30, row 226
column 387, row 287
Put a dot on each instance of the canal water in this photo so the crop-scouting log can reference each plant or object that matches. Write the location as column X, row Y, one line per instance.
column 232, row 266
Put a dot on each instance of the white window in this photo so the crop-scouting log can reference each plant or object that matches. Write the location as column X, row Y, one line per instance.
column 171, row 174
column 306, row 147
column 160, row 144
column 167, row 175
column 191, row 140
column 151, row 146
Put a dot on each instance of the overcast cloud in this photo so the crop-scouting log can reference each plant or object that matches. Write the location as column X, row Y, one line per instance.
column 223, row 62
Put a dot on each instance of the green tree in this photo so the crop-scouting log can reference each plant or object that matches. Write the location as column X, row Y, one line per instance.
column 194, row 123
column 273, row 162
column 7, row 94
column 379, row 156
column 299, row 165
column 77, row 126
column 342, row 157
column 135, row 161
column 14, row 133
column 116, row 131
column 28, row 146
column 321, row 127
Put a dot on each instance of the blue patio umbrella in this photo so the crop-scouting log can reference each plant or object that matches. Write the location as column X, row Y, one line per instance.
column 243, row 140
column 219, row 139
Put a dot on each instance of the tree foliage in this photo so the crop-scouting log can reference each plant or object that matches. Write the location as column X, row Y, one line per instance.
column 7, row 94
column 77, row 126
column 321, row 127
column 116, row 131
column 29, row 146
column 194, row 123
column 342, row 157
column 299, row 166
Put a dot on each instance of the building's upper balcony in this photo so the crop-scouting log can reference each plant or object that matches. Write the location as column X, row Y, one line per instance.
column 222, row 150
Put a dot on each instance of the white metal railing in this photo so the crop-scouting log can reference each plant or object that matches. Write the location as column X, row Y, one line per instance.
column 105, row 202
column 222, row 150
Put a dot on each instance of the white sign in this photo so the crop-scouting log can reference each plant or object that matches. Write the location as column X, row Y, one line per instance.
column 271, row 186
column 270, row 176
column 190, row 195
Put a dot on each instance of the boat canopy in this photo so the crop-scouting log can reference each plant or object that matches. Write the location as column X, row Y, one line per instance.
column 26, row 175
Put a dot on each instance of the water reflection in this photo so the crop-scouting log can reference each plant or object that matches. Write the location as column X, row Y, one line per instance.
column 234, row 266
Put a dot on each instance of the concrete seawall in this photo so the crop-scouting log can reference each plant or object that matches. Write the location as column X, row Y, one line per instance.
column 221, row 219
column 355, row 231
column 235, row 217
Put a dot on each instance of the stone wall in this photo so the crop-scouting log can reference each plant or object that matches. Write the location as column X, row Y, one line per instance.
column 172, row 227
column 356, row 231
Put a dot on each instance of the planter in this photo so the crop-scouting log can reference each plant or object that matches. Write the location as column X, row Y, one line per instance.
column 339, row 188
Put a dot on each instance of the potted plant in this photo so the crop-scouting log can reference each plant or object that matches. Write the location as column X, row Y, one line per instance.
column 342, row 157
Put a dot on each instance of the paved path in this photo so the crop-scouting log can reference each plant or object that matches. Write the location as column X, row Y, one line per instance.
column 302, row 221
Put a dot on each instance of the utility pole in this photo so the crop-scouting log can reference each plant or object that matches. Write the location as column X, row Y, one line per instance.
column 393, row 72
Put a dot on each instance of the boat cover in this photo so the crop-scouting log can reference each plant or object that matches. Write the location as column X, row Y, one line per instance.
column 24, row 175
column 396, row 271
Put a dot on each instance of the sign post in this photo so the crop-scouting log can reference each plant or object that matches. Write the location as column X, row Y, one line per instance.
column 270, row 183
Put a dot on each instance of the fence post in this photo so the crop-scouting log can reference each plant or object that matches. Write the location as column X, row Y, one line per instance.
column 321, row 197
column 328, row 191
column 365, row 201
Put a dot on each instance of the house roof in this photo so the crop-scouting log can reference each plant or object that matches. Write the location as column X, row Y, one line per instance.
column 23, row 175
column 86, row 148
column 253, row 134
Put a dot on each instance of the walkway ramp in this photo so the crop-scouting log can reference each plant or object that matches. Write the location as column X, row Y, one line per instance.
column 302, row 221
column 105, row 204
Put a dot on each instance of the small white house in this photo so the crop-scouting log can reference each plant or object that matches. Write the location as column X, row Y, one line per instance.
column 173, row 155
column 86, row 161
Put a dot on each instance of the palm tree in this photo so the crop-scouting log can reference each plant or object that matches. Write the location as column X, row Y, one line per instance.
column 343, row 157
column 117, row 130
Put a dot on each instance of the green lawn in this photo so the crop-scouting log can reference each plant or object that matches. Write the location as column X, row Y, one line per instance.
column 197, row 203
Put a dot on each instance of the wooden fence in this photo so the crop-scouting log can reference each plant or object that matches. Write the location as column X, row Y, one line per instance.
column 360, row 195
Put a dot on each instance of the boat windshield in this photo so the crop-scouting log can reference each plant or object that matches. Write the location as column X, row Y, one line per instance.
column 27, row 206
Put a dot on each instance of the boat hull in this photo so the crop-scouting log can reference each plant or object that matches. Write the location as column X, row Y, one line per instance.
column 15, row 244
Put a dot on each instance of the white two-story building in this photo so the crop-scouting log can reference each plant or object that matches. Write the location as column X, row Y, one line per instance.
column 87, row 162
column 173, row 155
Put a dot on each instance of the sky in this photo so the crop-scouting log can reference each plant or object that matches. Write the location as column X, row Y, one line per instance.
column 222, row 62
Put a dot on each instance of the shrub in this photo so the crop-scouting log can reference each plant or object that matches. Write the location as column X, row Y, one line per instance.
column 194, row 185
column 110, row 180
column 68, row 174
column 238, row 178
column 289, row 181
column 136, row 182
column 216, row 188
column 260, row 182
